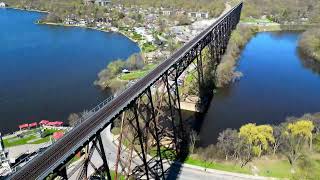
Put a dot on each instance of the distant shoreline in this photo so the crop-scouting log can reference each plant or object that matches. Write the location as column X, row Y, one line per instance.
column 30, row 10
column 65, row 25
column 93, row 28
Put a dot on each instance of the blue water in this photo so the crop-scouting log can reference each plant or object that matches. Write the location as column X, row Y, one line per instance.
column 278, row 82
column 47, row 72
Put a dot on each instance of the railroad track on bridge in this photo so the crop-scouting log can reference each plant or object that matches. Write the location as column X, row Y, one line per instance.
column 56, row 156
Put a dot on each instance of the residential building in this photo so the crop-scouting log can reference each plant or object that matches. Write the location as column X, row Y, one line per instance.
column 97, row 2
column 2, row 5
column 202, row 15
column 167, row 12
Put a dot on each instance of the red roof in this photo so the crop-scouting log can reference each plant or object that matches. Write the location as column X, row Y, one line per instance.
column 59, row 123
column 34, row 124
column 55, row 123
column 23, row 126
column 57, row 135
column 44, row 122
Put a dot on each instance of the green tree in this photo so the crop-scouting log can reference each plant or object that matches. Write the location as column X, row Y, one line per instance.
column 306, row 169
column 116, row 67
column 301, row 128
column 258, row 137
column 135, row 62
column 295, row 135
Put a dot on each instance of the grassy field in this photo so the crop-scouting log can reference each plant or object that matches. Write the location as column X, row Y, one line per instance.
column 273, row 168
column 138, row 74
column 218, row 166
column 254, row 20
column 121, row 177
column 165, row 153
column 30, row 135
column 266, row 166
column 148, row 47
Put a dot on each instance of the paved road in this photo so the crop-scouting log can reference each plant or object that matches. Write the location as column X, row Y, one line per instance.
column 42, row 165
column 183, row 172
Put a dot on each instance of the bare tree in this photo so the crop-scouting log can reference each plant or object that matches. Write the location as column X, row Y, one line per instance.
column 193, row 140
column 73, row 118
column 244, row 152
column 278, row 137
column 226, row 141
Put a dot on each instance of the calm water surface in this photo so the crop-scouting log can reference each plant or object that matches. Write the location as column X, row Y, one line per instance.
column 277, row 82
column 47, row 72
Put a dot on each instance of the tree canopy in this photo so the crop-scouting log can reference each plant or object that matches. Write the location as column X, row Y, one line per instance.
column 260, row 137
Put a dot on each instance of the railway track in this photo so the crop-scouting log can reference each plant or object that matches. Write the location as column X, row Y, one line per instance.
column 45, row 163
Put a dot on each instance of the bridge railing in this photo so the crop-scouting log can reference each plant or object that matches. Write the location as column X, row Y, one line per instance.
column 88, row 114
column 89, row 127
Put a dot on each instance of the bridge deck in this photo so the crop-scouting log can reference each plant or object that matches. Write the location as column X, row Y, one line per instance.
column 45, row 163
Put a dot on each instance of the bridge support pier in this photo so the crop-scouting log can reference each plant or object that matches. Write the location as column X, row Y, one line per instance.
column 152, row 131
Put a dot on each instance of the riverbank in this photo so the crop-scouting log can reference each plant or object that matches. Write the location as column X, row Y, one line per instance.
column 270, row 27
column 93, row 28
column 274, row 160
column 66, row 25
column 226, row 72
column 309, row 43
column 30, row 10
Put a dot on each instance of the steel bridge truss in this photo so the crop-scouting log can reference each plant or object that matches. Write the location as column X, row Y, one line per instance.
column 151, row 133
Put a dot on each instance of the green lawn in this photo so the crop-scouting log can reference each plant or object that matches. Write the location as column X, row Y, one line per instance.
column 273, row 168
column 218, row 166
column 254, row 20
column 148, row 47
column 121, row 177
column 133, row 75
column 138, row 73
column 278, row 168
column 136, row 36
column 166, row 153
column 28, row 136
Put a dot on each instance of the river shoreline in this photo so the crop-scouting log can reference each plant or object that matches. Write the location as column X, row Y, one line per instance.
column 29, row 10
column 66, row 25
column 227, row 69
column 92, row 28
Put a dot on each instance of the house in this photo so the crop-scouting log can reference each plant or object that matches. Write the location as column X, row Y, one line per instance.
column 70, row 21
column 167, row 12
column 2, row 5
column 203, row 15
column 82, row 22
column 97, row 2
column 102, row 2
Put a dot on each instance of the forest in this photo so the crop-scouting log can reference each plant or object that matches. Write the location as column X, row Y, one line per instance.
column 284, row 11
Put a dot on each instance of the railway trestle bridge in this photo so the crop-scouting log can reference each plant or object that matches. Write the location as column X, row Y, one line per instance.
column 151, row 133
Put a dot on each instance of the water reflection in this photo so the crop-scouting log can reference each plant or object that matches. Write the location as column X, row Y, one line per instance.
column 278, row 82
column 308, row 62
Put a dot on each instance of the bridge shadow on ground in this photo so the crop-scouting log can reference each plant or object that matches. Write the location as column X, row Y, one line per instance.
column 195, row 124
column 176, row 167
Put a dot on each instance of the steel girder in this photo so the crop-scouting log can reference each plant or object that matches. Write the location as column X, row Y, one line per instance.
column 152, row 132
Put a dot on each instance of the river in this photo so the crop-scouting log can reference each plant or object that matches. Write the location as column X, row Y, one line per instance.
column 47, row 72
column 278, row 82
